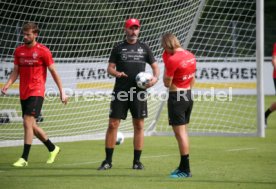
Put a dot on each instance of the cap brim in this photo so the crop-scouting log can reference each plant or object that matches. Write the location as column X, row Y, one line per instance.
column 132, row 25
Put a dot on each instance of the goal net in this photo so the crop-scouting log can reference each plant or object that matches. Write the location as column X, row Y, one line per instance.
column 80, row 34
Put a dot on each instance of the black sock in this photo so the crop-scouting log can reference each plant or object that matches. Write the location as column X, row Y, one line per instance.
column 137, row 155
column 184, row 163
column 109, row 153
column 49, row 145
column 26, row 151
column 268, row 111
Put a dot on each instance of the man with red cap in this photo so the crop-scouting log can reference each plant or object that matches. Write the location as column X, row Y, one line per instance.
column 127, row 59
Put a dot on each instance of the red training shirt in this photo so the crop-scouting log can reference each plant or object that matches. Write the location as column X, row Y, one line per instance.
column 274, row 54
column 32, row 63
column 181, row 66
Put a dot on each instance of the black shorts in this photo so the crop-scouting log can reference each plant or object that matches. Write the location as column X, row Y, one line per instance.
column 122, row 101
column 180, row 105
column 32, row 106
column 274, row 79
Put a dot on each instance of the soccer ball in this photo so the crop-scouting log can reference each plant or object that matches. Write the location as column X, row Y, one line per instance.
column 142, row 79
column 120, row 138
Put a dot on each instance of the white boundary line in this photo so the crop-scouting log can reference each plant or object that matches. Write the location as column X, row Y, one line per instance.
column 81, row 163
column 240, row 149
column 159, row 156
column 94, row 162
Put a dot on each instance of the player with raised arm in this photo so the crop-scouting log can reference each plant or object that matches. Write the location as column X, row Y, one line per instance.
column 31, row 61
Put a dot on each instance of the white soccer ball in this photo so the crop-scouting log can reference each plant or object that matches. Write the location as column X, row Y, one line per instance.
column 142, row 79
column 120, row 138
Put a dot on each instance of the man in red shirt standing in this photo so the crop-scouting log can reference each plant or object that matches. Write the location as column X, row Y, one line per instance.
column 31, row 61
column 272, row 107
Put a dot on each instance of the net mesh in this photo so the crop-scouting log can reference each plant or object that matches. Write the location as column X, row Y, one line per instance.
column 80, row 34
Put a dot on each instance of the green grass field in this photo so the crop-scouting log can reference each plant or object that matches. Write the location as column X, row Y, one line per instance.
column 91, row 117
column 216, row 162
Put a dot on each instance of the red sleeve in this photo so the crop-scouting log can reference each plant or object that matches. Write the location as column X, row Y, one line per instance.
column 47, row 57
column 170, row 69
column 274, row 50
column 16, row 58
column 169, row 65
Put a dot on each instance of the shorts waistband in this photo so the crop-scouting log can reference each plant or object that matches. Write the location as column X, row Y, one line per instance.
column 181, row 92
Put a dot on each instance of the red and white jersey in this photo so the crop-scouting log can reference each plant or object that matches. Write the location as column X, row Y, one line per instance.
column 181, row 66
column 32, row 63
column 274, row 54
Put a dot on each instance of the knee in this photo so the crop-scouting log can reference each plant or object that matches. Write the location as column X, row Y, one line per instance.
column 138, row 125
column 177, row 135
column 28, row 122
column 180, row 135
column 113, row 125
column 138, row 128
column 35, row 128
column 273, row 107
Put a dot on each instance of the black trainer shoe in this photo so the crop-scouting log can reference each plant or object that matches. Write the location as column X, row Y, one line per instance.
column 105, row 165
column 137, row 165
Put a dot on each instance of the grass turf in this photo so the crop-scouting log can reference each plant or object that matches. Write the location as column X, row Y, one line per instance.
column 216, row 162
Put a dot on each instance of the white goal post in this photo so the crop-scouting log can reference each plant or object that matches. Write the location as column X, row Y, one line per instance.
column 80, row 34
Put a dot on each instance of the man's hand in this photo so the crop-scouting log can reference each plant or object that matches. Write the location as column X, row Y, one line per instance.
column 121, row 74
column 64, row 98
column 152, row 82
column 4, row 90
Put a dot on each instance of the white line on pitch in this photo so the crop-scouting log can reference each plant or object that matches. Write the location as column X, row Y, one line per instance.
column 93, row 162
column 160, row 156
column 82, row 163
column 240, row 149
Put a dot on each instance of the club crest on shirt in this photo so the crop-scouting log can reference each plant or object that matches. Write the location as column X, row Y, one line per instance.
column 140, row 50
column 35, row 55
column 124, row 57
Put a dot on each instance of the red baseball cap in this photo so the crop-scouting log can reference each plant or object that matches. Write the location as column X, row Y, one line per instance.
column 132, row 22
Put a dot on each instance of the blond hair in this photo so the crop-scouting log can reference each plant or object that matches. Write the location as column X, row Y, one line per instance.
column 170, row 41
column 30, row 26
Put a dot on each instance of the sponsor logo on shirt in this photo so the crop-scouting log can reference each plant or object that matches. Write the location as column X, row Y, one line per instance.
column 191, row 61
column 35, row 55
column 185, row 77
